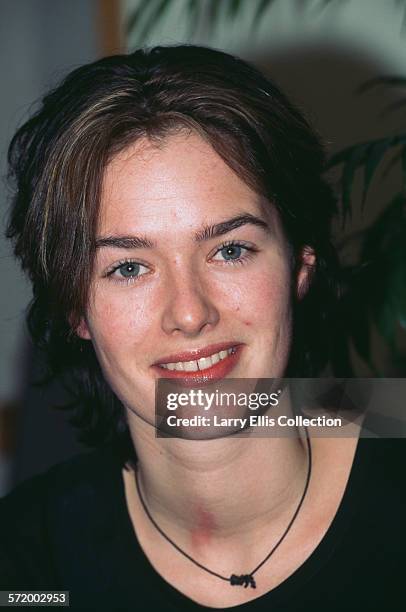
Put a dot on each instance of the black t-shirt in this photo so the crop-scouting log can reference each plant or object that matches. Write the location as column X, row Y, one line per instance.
column 69, row 529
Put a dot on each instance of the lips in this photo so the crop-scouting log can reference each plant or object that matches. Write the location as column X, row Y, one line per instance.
column 216, row 371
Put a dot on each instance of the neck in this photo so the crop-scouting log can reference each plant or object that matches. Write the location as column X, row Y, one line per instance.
column 219, row 490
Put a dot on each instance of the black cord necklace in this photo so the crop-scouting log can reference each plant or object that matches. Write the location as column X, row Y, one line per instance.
column 243, row 579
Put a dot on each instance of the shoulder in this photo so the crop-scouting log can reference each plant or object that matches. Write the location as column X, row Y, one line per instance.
column 384, row 458
column 61, row 479
column 381, row 453
column 379, row 475
column 35, row 513
column 377, row 501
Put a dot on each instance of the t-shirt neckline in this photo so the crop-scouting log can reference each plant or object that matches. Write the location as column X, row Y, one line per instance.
column 286, row 589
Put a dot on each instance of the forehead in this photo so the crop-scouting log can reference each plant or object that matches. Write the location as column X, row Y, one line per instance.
column 179, row 180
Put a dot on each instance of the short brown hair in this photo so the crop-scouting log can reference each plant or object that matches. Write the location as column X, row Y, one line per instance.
column 57, row 160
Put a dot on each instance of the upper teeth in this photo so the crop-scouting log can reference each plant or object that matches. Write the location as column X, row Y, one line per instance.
column 199, row 364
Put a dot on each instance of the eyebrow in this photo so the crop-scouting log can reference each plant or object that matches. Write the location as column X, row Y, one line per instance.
column 207, row 232
column 219, row 229
column 124, row 242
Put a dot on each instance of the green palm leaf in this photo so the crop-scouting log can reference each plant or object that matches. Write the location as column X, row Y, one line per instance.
column 375, row 155
column 385, row 246
column 153, row 16
column 262, row 7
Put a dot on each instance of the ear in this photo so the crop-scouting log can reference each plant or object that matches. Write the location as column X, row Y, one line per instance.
column 306, row 267
column 82, row 330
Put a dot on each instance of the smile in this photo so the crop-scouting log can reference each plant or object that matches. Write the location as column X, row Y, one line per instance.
column 200, row 364
column 211, row 363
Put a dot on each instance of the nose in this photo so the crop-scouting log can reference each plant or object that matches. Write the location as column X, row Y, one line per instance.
column 188, row 308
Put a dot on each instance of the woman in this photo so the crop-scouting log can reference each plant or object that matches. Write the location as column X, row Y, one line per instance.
column 171, row 214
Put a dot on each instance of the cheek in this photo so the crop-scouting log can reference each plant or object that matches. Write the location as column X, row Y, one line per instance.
column 261, row 299
column 119, row 318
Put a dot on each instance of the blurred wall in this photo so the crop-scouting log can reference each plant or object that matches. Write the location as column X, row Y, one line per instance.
column 375, row 27
column 40, row 41
column 319, row 52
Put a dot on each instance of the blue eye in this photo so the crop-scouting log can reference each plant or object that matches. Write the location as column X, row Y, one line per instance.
column 232, row 251
column 128, row 269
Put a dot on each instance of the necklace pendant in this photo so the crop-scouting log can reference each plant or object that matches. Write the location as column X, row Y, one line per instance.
column 244, row 579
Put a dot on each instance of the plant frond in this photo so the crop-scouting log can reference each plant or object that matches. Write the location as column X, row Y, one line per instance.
column 354, row 161
column 392, row 107
column 148, row 17
column 375, row 155
column 385, row 246
column 391, row 81
column 262, row 7
column 233, row 8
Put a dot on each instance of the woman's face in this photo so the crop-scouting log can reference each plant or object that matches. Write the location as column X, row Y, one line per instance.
column 188, row 267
